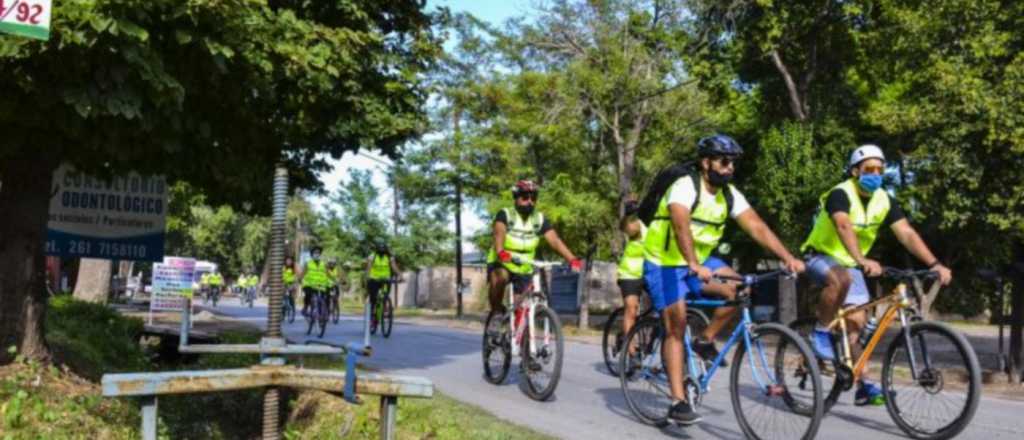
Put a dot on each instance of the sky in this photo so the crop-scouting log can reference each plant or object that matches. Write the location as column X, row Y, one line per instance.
column 493, row 11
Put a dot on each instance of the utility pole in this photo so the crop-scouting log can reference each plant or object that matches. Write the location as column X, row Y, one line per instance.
column 456, row 115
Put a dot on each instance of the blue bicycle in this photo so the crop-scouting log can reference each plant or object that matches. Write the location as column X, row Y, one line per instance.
column 773, row 397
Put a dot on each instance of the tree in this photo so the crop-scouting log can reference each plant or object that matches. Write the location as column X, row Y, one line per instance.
column 209, row 92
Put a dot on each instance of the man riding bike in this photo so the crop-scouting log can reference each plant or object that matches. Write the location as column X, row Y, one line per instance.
column 314, row 278
column 631, row 265
column 677, row 250
column 845, row 228
column 517, row 234
column 288, row 279
column 380, row 266
column 216, row 282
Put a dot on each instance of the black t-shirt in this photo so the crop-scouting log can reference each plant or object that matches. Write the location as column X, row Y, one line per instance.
column 501, row 217
column 838, row 202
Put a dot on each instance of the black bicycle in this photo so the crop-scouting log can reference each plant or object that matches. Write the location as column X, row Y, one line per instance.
column 212, row 295
column 288, row 305
column 384, row 314
column 335, row 304
column 613, row 337
column 318, row 312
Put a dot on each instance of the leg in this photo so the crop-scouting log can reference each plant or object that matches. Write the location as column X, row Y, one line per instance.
column 674, row 319
column 833, row 294
column 499, row 278
column 722, row 315
column 629, row 314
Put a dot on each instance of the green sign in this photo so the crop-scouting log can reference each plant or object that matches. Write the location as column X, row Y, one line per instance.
column 28, row 18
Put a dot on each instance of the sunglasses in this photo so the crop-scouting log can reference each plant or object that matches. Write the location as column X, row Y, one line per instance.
column 724, row 160
column 872, row 170
column 527, row 196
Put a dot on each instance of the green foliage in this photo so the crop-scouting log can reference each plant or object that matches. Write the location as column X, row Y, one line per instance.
column 92, row 339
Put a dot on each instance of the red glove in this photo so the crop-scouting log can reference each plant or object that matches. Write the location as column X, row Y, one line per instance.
column 576, row 265
column 504, row 256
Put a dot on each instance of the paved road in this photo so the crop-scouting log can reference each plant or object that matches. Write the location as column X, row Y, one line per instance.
column 589, row 402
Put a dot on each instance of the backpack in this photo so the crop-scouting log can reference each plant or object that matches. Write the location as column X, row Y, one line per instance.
column 663, row 180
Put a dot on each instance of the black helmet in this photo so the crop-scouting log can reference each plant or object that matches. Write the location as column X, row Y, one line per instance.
column 381, row 247
column 718, row 145
column 316, row 248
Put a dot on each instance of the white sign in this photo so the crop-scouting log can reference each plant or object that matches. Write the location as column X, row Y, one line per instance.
column 172, row 284
column 28, row 18
column 118, row 219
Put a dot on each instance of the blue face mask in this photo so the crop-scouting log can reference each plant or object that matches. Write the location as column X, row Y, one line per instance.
column 870, row 182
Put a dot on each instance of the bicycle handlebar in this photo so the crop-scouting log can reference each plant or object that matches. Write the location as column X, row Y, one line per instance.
column 753, row 279
column 517, row 260
column 908, row 274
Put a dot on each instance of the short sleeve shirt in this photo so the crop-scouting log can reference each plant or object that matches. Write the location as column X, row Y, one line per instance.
column 683, row 192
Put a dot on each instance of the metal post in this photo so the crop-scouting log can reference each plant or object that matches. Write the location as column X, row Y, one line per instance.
column 278, row 229
column 458, row 247
column 388, row 414
column 148, row 417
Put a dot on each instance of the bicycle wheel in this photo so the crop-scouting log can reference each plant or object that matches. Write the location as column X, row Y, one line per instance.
column 388, row 320
column 497, row 352
column 943, row 398
column 644, row 383
column 323, row 314
column 336, row 308
column 542, row 369
column 763, row 378
column 697, row 321
column 834, row 380
column 289, row 309
column 611, row 341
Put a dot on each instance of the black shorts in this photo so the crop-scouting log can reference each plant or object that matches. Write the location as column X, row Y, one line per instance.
column 373, row 287
column 520, row 282
column 631, row 287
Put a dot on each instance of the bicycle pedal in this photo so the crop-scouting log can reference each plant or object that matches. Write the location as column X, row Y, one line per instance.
column 774, row 390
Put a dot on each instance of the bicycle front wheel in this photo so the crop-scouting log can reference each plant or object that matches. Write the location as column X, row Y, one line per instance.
column 936, row 396
column 611, row 341
column 834, row 379
column 543, row 367
column 322, row 315
column 765, row 383
column 389, row 318
column 642, row 373
column 497, row 351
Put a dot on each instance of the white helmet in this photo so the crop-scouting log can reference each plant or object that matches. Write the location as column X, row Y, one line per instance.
column 864, row 152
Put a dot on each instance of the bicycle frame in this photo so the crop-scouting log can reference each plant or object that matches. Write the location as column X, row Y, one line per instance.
column 742, row 330
column 528, row 306
column 896, row 303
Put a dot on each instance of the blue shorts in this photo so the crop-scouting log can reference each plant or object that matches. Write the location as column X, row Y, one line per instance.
column 818, row 267
column 670, row 284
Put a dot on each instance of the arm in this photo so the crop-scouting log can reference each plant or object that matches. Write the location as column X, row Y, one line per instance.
column 556, row 243
column 394, row 266
column 752, row 223
column 684, row 238
column 910, row 239
column 500, row 229
column 301, row 274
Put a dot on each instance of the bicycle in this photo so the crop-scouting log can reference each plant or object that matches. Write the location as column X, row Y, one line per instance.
column 335, row 304
column 904, row 369
column 613, row 337
column 533, row 332
column 212, row 295
column 249, row 296
column 318, row 313
column 288, row 305
column 772, row 352
column 384, row 314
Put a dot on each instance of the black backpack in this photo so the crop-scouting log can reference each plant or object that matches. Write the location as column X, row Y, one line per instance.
column 662, row 181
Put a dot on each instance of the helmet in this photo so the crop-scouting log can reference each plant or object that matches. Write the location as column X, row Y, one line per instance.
column 380, row 246
column 525, row 186
column 718, row 145
column 865, row 152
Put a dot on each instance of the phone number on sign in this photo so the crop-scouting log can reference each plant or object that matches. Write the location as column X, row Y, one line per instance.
column 106, row 249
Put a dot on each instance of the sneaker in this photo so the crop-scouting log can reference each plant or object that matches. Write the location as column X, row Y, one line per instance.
column 821, row 342
column 707, row 351
column 868, row 394
column 681, row 413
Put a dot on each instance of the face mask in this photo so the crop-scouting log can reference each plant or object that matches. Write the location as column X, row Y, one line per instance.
column 717, row 179
column 870, row 182
column 524, row 210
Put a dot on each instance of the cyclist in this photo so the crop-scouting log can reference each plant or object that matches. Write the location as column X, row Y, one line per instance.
column 677, row 249
column 288, row 279
column 517, row 233
column 631, row 265
column 333, row 277
column 216, row 281
column 380, row 266
column 313, row 279
column 845, row 228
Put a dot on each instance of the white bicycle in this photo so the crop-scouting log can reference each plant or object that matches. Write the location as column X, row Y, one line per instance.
column 532, row 330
